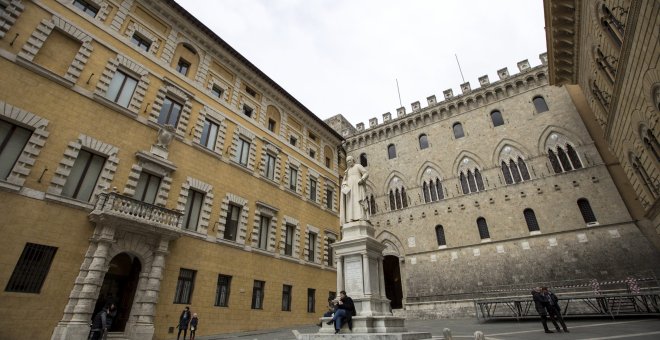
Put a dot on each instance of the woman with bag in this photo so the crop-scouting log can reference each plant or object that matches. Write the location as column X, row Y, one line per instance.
column 193, row 326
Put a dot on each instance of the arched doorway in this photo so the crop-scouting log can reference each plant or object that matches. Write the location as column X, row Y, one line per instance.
column 119, row 287
column 392, row 275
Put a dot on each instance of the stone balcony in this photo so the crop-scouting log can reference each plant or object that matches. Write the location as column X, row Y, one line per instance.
column 136, row 216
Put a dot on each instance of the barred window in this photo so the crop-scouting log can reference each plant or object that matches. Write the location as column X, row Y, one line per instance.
column 286, row 298
column 585, row 209
column 483, row 228
column 530, row 219
column 222, row 291
column 258, row 290
column 32, row 268
column 440, row 235
column 184, row 286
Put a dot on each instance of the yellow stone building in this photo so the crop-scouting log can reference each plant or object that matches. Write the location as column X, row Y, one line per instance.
column 144, row 161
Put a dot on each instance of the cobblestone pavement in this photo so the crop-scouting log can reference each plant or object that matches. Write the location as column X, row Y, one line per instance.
column 595, row 329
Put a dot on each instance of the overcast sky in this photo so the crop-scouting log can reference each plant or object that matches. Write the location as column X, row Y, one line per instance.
column 344, row 56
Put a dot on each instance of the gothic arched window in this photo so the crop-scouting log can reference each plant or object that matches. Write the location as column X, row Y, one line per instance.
column 566, row 159
column 458, row 130
column 440, row 235
column 540, row 104
column 585, row 209
column 363, row 160
column 530, row 219
column 423, row 142
column 391, row 151
column 483, row 228
column 496, row 117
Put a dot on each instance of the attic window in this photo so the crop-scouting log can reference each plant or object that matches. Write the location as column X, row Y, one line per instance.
column 250, row 91
column 312, row 136
column 247, row 110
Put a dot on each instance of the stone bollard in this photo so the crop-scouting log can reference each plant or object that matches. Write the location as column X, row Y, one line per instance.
column 479, row 335
column 447, row 334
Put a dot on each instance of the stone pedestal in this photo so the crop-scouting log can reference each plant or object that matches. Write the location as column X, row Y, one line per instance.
column 360, row 274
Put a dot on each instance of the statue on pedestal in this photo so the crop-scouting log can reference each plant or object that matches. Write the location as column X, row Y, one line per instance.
column 353, row 201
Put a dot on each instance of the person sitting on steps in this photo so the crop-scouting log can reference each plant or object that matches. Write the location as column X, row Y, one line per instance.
column 345, row 311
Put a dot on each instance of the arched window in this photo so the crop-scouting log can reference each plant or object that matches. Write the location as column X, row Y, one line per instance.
column 404, row 198
column 438, row 188
column 464, row 184
column 572, row 155
column 496, row 117
column 480, row 181
column 530, row 218
column 426, row 192
column 643, row 175
column 604, row 64
column 563, row 159
column 483, row 228
column 566, row 159
column 372, row 205
column 514, row 171
column 458, row 130
column 612, row 26
column 363, row 160
column 523, row 169
column 471, row 181
column 423, row 142
column 432, row 190
column 585, row 210
column 391, row 151
column 398, row 199
column 554, row 162
column 392, row 201
column 540, row 104
column 440, row 235
column 651, row 143
column 506, row 173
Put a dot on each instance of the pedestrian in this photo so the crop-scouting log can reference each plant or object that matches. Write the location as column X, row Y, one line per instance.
column 99, row 324
column 110, row 317
column 193, row 326
column 541, row 303
column 554, row 310
column 184, row 320
column 345, row 310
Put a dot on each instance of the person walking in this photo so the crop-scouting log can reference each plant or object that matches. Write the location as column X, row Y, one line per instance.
column 345, row 311
column 184, row 320
column 541, row 303
column 554, row 310
column 193, row 326
column 99, row 324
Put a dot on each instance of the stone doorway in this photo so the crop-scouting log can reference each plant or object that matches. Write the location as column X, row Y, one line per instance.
column 119, row 286
column 392, row 275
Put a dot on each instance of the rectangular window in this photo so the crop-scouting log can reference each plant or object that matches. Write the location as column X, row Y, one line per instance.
column 312, row 136
column 86, row 7
column 311, row 300
column 293, row 140
column 327, row 162
column 331, row 252
column 147, row 188
column 258, row 291
column 328, row 198
column 250, row 91
column 231, row 225
column 217, row 91
column 288, row 240
column 243, row 154
column 141, row 42
column 193, row 209
column 32, row 268
column 271, row 125
column 286, row 297
column 169, row 112
column 247, row 110
column 311, row 247
column 312, row 153
column 270, row 166
column 209, row 134
column 293, row 179
column 121, row 88
column 13, row 139
column 183, row 66
column 184, row 286
column 83, row 176
column 312, row 190
column 222, row 291
column 264, row 231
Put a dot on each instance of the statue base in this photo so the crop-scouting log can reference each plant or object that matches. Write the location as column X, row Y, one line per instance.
column 368, row 328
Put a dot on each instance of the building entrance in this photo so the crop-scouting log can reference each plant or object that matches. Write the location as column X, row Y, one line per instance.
column 119, row 286
column 392, row 276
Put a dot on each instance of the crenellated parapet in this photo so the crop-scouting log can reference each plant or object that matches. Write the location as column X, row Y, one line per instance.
column 453, row 104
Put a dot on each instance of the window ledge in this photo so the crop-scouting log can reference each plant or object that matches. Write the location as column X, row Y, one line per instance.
column 535, row 232
column 44, row 72
column 230, row 243
column 241, row 166
column 193, row 233
column 290, row 258
column 592, row 224
column 206, row 150
column 70, row 202
column 442, row 247
column 486, row 240
column 9, row 186
column 263, row 252
column 114, row 106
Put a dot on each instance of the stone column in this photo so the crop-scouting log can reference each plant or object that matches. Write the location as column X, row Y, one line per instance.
column 365, row 271
column 144, row 326
column 340, row 274
column 381, row 283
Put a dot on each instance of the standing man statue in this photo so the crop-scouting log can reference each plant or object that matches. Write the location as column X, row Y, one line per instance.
column 353, row 202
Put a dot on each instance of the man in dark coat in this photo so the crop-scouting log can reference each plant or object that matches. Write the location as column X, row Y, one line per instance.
column 99, row 324
column 184, row 321
column 553, row 308
column 345, row 311
column 541, row 303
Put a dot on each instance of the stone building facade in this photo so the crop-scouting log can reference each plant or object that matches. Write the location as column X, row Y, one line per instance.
column 607, row 55
column 144, row 161
column 494, row 190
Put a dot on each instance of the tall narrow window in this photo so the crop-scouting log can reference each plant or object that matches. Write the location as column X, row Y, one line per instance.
column 458, row 130
column 644, row 176
column 585, row 209
column 483, row 228
column 563, row 159
column 31, row 269
column 258, row 291
column 523, row 169
column 328, row 198
column 372, row 205
column 496, row 117
column 440, row 235
column 331, row 252
column 650, row 142
column 530, row 219
column 222, row 291
column 327, row 162
column 573, row 156
column 554, row 161
column 184, row 286
column 286, row 297
column 540, row 104
column 392, row 203
column 464, row 184
column 193, row 209
column 425, row 190
column 121, row 88
column 480, row 181
column 612, row 26
column 243, row 154
column 209, row 134
column 270, row 166
column 264, row 232
column 293, row 179
column 312, row 190
column 363, row 160
column 86, row 7
column 183, row 66
column 311, row 300
column 83, row 176
column 423, row 142
column 271, row 125
column 506, row 172
column 391, row 151
column 438, row 188
column 311, row 247
column 13, row 139
column 231, row 225
column 169, row 112
column 514, row 171
column 288, row 239
column 147, row 188
column 472, row 184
